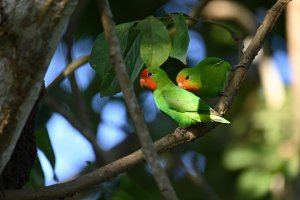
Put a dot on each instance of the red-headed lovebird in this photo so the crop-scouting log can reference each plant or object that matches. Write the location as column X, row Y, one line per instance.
column 206, row 79
column 181, row 105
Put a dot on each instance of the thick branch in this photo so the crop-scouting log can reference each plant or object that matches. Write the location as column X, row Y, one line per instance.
column 118, row 63
column 167, row 142
column 249, row 55
column 29, row 33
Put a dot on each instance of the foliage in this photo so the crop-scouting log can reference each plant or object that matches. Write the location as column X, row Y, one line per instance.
column 145, row 42
column 245, row 161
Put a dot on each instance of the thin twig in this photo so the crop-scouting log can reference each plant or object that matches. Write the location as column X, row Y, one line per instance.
column 86, row 132
column 118, row 63
column 70, row 68
column 169, row 141
column 82, row 111
column 256, row 44
column 193, row 18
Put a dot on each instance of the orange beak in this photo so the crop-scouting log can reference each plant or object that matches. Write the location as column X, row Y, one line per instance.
column 185, row 84
column 142, row 82
column 180, row 82
column 181, row 85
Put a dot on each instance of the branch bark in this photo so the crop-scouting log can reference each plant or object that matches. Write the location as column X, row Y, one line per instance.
column 69, row 69
column 169, row 141
column 29, row 33
column 81, row 127
column 118, row 63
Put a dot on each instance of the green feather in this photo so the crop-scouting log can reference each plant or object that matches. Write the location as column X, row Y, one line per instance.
column 210, row 75
column 183, row 106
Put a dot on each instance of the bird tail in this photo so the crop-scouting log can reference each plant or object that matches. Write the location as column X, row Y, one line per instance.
column 219, row 119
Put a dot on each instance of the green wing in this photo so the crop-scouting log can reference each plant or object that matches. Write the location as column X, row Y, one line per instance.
column 184, row 107
column 213, row 73
column 183, row 101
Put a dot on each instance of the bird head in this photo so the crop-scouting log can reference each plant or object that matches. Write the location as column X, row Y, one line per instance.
column 147, row 81
column 184, row 80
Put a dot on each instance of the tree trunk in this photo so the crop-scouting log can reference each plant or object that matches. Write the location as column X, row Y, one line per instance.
column 29, row 33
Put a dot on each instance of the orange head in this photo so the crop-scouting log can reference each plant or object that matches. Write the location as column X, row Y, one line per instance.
column 147, row 81
column 184, row 82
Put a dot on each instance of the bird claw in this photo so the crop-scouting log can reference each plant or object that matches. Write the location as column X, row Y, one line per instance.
column 182, row 130
column 223, row 94
column 238, row 66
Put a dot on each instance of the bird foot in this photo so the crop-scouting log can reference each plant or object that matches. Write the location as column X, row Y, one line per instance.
column 223, row 94
column 238, row 66
column 182, row 130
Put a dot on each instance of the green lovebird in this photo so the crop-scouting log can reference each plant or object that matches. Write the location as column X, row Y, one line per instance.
column 207, row 78
column 181, row 105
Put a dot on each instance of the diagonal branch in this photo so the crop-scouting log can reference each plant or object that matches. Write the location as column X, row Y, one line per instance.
column 137, row 116
column 249, row 55
column 70, row 68
column 169, row 141
column 84, row 130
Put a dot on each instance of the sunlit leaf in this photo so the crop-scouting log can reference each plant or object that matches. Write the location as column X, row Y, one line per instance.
column 254, row 184
column 156, row 43
column 181, row 39
column 240, row 157
column 248, row 156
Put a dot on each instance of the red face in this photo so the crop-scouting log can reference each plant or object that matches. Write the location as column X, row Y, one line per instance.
column 184, row 83
column 147, row 81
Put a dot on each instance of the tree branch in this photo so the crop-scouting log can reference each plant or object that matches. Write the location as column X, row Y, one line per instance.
column 28, row 39
column 169, row 141
column 85, row 131
column 256, row 44
column 70, row 68
column 118, row 64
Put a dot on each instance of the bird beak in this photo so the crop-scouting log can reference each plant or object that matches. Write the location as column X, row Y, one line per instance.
column 180, row 85
column 142, row 82
column 180, row 82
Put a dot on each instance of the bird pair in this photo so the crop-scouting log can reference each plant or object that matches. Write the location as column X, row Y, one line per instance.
column 206, row 79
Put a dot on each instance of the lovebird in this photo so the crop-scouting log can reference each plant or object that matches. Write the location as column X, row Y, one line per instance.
column 206, row 79
column 181, row 105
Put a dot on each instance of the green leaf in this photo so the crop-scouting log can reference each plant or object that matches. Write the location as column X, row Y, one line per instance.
column 36, row 178
column 133, row 59
column 254, row 184
column 129, row 38
column 181, row 39
column 43, row 142
column 248, row 156
column 241, row 157
column 100, row 55
column 156, row 43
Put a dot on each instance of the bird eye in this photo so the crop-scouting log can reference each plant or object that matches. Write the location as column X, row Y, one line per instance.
column 187, row 77
column 149, row 74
